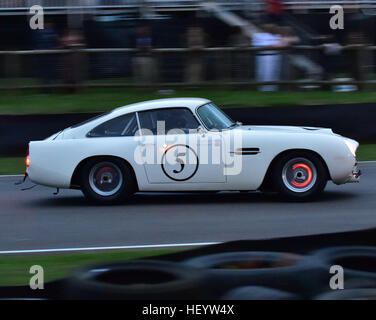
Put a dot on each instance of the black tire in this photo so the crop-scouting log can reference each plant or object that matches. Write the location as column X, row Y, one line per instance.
column 258, row 293
column 358, row 289
column 137, row 280
column 278, row 270
column 124, row 180
column 313, row 177
column 358, row 262
column 349, row 294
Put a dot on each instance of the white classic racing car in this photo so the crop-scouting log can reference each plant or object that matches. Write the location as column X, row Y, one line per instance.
column 188, row 144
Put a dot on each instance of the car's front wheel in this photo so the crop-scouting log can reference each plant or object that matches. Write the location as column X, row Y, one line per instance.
column 107, row 180
column 299, row 175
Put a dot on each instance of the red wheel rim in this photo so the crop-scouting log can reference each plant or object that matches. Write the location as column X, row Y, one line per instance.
column 309, row 178
column 299, row 174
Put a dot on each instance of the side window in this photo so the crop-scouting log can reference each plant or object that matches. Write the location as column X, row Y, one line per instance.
column 173, row 118
column 125, row 125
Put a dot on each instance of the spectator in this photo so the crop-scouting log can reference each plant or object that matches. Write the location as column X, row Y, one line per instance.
column 73, row 62
column 312, row 71
column 274, row 11
column 240, row 63
column 288, row 39
column 268, row 62
column 333, row 60
column 359, row 61
column 46, row 64
column 144, row 68
column 195, row 42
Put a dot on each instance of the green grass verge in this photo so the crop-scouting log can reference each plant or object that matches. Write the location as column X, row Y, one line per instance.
column 14, row 270
column 366, row 152
column 13, row 165
column 92, row 100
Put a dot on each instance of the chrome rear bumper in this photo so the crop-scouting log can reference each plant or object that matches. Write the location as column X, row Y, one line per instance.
column 356, row 173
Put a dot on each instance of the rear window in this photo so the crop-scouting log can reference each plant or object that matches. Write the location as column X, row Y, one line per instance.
column 125, row 125
column 90, row 119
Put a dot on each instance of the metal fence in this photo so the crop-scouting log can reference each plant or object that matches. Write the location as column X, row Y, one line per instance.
column 226, row 66
column 15, row 7
column 111, row 4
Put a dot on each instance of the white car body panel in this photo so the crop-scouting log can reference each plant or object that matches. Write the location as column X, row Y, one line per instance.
column 54, row 160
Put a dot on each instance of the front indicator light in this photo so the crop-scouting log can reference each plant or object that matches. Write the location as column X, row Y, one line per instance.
column 27, row 161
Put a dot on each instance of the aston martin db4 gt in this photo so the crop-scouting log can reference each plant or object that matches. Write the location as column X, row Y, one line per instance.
column 189, row 144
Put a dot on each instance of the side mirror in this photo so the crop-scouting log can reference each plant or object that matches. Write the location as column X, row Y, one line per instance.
column 239, row 123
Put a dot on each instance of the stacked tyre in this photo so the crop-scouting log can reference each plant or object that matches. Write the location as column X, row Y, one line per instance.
column 297, row 274
column 359, row 272
column 137, row 280
column 244, row 275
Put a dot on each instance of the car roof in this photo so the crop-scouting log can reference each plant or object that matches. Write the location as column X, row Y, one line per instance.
column 162, row 103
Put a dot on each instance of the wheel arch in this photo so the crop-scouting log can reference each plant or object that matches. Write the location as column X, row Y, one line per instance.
column 267, row 181
column 75, row 183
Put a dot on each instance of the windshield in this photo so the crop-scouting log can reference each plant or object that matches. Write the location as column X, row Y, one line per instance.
column 213, row 117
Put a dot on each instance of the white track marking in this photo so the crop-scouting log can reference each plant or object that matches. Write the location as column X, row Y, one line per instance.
column 11, row 176
column 146, row 246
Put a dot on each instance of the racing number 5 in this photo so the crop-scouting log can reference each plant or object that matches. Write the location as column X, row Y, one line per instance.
column 182, row 164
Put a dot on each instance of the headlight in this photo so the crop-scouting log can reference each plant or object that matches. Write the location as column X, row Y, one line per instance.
column 352, row 145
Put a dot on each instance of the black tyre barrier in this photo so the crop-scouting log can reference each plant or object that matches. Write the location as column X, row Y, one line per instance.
column 137, row 280
column 304, row 245
column 258, row 293
column 17, row 130
column 349, row 294
column 358, row 262
column 360, row 283
column 283, row 271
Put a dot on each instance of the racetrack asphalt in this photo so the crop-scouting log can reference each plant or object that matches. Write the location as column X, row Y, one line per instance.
column 36, row 219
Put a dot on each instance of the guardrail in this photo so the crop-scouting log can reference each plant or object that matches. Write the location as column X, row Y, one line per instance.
column 169, row 50
column 108, row 4
column 225, row 61
column 14, row 7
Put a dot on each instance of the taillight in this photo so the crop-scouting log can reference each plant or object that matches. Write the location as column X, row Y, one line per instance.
column 27, row 160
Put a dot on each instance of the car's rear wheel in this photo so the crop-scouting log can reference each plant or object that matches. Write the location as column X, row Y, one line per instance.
column 107, row 180
column 299, row 175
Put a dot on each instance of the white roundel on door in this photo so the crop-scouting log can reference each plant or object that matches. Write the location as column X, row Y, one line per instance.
column 179, row 162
